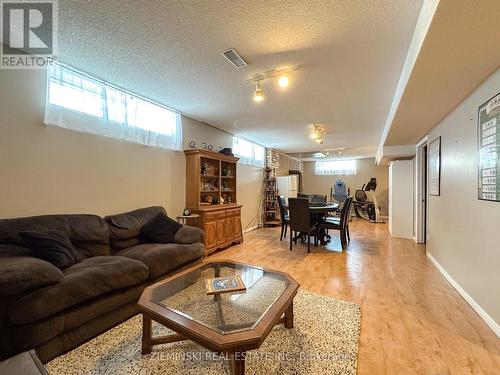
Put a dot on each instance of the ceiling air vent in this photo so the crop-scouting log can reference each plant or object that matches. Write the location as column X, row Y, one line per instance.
column 234, row 58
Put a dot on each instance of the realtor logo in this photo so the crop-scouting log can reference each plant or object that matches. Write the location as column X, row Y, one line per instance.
column 29, row 33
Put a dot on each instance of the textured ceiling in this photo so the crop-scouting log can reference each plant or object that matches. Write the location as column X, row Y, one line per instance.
column 351, row 53
column 461, row 49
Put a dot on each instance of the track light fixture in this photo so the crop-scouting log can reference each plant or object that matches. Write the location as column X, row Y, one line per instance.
column 318, row 133
column 258, row 96
column 283, row 81
column 283, row 76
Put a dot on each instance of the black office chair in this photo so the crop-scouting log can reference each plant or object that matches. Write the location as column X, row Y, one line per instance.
column 302, row 195
column 300, row 221
column 341, row 224
column 285, row 220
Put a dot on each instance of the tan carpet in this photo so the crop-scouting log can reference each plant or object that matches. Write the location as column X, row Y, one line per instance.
column 324, row 341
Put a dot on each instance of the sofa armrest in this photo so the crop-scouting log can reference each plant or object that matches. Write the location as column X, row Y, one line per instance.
column 188, row 234
column 22, row 274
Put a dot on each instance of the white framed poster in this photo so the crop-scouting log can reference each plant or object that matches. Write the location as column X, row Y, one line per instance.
column 488, row 122
column 435, row 167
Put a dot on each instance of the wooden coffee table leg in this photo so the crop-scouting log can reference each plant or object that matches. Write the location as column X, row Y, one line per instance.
column 289, row 316
column 237, row 363
column 146, row 334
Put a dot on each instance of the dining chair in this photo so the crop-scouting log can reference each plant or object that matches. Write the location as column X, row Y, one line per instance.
column 341, row 224
column 317, row 198
column 300, row 221
column 285, row 220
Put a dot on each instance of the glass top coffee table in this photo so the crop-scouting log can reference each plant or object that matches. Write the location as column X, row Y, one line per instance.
column 225, row 323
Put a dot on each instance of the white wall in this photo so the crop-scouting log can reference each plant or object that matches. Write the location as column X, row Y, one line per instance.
column 464, row 232
column 401, row 198
column 52, row 170
column 366, row 168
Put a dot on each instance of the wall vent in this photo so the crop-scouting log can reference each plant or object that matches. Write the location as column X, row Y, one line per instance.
column 234, row 58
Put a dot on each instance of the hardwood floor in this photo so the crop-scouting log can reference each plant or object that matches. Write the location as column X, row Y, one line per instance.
column 413, row 321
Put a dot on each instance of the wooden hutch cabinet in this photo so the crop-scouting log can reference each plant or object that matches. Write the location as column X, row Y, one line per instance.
column 211, row 193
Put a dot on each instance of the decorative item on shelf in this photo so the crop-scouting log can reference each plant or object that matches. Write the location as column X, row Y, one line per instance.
column 220, row 285
column 209, row 186
column 228, row 199
column 222, row 199
column 204, row 168
column 226, row 151
column 226, row 172
column 208, row 199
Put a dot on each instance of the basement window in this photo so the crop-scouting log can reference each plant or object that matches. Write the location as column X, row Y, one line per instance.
column 335, row 167
column 249, row 153
column 79, row 102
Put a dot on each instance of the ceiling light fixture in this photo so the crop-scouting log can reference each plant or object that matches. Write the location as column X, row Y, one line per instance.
column 283, row 81
column 258, row 96
column 317, row 133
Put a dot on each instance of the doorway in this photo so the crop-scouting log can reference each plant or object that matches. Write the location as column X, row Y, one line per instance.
column 421, row 192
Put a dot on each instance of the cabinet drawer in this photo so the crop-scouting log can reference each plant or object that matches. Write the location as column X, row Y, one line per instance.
column 215, row 215
column 233, row 212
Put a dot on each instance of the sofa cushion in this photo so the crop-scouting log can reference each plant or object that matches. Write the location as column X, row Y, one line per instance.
column 85, row 280
column 124, row 228
column 160, row 229
column 88, row 233
column 188, row 234
column 52, row 246
column 23, row 274
column 162, row 258
column 37, row 333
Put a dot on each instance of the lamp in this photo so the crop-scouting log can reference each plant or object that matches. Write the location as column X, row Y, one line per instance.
column 283, row 76
column 258, row 96
column 318, row 133
column 283, row 81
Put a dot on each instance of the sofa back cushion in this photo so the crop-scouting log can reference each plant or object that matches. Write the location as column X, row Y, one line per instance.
column 53, row 246
column 124, row 229
column 89, row 234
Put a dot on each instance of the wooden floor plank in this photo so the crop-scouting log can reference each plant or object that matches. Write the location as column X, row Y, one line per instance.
column 413, row 321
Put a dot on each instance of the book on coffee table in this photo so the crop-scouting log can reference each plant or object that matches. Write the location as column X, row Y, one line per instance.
column 229, row 284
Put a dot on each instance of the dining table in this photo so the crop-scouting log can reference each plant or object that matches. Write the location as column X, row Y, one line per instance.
column 318, row 211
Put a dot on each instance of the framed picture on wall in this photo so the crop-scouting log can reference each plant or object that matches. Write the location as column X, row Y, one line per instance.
column 488, row 138
column 435, row 167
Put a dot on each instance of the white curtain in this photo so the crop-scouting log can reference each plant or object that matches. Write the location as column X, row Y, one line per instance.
column 335, row 167
column 249, row 153
column 78, row 102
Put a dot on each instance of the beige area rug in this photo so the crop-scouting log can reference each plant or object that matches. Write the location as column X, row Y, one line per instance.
column 324, row 340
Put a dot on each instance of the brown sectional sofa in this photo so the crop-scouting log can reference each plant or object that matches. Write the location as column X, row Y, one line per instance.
column 53, row 310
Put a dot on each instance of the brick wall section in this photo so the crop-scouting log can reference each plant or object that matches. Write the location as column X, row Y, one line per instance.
column 282, row 163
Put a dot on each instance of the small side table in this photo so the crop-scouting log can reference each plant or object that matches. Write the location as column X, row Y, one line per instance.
column 188, row 219
column 26, row 363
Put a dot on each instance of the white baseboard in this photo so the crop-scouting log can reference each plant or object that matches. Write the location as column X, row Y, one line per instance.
column 251, row 229
column 478, row 309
